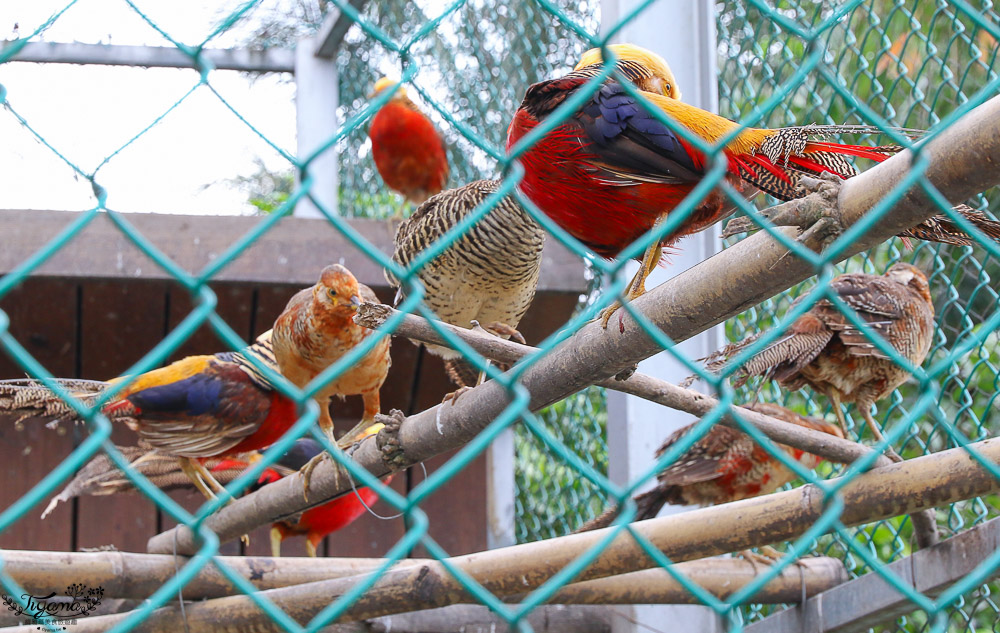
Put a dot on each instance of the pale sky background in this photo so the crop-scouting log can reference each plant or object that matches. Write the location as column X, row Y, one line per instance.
column 88, row 112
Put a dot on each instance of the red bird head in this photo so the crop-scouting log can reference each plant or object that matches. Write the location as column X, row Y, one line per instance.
column 910, row 275
column 337, row 291
column 656, row 78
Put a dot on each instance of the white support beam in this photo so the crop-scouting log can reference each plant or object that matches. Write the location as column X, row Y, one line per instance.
column 273, row 60
column 637, row 427
column 331, row 33
column 317, row 93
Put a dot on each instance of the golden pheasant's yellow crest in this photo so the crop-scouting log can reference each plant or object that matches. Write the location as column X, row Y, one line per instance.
column 665, row 83
column 386, row 83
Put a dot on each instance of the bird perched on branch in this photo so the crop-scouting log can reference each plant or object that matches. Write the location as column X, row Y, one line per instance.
column 611, row 170
column 724, row 465
column 101, row 477
column 316, row 330
column 408, row 150
column 823, row 349
column 197, row 407
column 487, row 275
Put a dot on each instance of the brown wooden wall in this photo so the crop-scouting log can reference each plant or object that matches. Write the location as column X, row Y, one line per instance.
column 97, row 329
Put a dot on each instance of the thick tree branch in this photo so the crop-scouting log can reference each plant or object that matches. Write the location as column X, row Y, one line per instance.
column 962, row 163
column 644, row 386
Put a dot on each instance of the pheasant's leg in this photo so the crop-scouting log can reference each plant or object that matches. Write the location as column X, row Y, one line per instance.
column 189, row 469
column 373, row 406
column 636, row 287
column 275, row 542
column 866, row 412
column 834, row 397
column 325, row 421
column 310, row 547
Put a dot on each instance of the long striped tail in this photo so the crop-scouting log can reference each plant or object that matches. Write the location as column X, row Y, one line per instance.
column 100, row 476
column 26, row 398
column 791, row 152
column 944, row 230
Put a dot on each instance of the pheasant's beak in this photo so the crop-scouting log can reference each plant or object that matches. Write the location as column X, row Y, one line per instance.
column 355, row 301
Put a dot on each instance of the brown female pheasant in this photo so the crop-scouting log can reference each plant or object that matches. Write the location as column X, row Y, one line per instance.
column 823, row 350
column 488, row 274
column 316, row 329
column 724, row 465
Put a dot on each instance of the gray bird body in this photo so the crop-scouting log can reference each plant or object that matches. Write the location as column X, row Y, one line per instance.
column 489, row 274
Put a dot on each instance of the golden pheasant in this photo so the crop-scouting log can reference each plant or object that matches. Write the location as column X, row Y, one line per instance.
column 316, row 330
column 823, row 350
column 488, row 274
column 612, row 171
column 197, row 407
column 408, row 150
column 724, row 465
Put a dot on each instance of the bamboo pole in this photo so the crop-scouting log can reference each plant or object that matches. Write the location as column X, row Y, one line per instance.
column 136, row 576
column 961, row 161
column 903, row 488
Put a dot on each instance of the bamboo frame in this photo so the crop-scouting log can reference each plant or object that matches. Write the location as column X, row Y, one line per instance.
column 136, row 576
column 903, row 488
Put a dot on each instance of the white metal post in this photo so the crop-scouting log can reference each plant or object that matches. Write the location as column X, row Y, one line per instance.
column 683, row 32
column 316, row 101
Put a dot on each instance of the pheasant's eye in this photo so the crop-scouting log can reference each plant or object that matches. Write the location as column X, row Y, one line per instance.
column 666, row 89
column 331, row 292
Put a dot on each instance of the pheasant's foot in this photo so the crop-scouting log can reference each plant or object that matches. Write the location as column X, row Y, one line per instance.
column 307, row 472
column 310, row 549
column 388, row 438
column 818, row 216
column 502, row 329
column 455, row 395
column 245, row 539
column 608, row 312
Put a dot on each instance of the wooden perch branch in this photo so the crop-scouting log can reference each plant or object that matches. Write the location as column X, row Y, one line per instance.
column 653, row 389
column 137, row 576
column 961, row 160
column 916, row 484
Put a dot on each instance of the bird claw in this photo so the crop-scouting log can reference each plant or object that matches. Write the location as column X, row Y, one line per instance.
column 388, row 438
column 454, row 395
column 818, row 216
column 502, row 329
column 307, row 472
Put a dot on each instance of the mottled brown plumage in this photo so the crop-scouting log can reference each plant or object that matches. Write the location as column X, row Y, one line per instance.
column 724, row 465
column 823, row 350
column 489, row 274
column 317, row 329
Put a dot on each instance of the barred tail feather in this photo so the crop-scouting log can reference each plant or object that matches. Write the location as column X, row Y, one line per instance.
column 28, row 398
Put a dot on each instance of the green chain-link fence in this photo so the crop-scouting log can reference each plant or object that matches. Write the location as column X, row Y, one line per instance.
column 900, row 63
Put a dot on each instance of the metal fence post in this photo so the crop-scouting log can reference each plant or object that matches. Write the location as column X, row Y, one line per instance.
column 683, row 32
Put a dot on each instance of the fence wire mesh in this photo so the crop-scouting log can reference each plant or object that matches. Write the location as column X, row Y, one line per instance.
column 911, row 64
